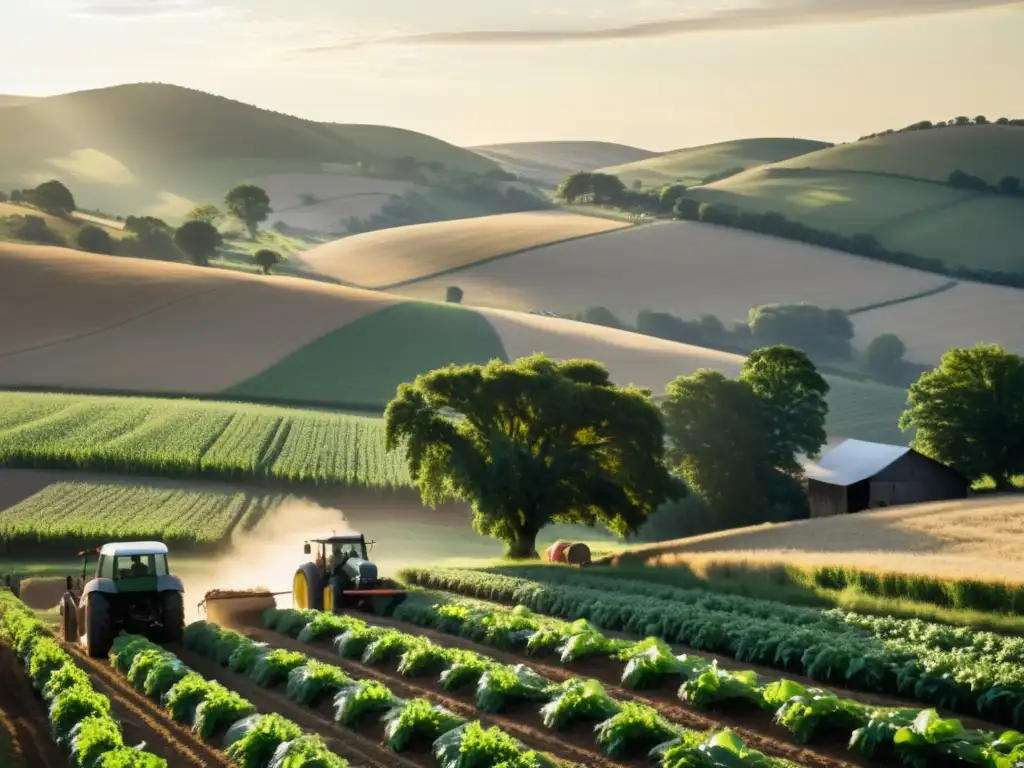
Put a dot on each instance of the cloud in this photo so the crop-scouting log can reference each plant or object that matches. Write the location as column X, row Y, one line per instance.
column 144, row 9
column 772, row 14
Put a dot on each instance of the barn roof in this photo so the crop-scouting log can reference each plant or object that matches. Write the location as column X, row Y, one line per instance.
column 853, row 461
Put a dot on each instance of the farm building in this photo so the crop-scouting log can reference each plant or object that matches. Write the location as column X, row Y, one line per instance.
column 856, row 475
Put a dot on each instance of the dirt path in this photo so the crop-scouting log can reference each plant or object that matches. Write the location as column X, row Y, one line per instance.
column 575, row 745
column 143, row 721
column 755, row 728
column 358, row 748
column 23, row 717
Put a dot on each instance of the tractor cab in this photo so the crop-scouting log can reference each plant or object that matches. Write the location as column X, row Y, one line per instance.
column 341, row 575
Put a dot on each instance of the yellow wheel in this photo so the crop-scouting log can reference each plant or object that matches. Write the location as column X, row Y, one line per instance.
column 328, row 599
column 300, row 591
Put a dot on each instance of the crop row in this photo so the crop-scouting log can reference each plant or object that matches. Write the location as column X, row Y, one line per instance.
column 455, row 742
column 250, row 739
column 936, row 667
column 77, row 514
column 79, row 716
column 621, row 728
column 183, row 437
column 912, row 736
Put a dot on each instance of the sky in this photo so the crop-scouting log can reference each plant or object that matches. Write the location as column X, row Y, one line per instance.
column 659, row 74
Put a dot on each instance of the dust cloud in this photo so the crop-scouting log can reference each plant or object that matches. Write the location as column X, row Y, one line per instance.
column 267, row 556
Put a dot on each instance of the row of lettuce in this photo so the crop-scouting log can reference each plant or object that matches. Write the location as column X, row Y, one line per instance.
column 79, row 716
column 622, row 729
column 957, row 668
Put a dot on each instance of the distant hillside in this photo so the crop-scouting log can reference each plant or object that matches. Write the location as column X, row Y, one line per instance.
column 151, row 148
column 14, row 101
column 694, row 165
column 549, row 162
column 894, row 188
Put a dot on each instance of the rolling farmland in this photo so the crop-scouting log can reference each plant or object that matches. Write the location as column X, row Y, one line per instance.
column 692, row 165
column 393, row 256
column 549, row 162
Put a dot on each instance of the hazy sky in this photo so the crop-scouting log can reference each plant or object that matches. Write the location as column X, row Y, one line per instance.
column 660, row 74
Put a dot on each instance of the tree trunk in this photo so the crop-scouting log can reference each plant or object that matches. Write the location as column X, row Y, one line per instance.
column 523, row 545
column 254, row 230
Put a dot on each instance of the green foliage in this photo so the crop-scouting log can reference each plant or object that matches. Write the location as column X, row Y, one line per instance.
column 250, row 205
column 884, row 354
column 969, row 413
column 716, row 686
column 52, row 197
column 73, row 705
column 92, row 737
column 578, row 700
column 185, row 696
column 220, row 709
column 95, row 240
column 470, row 746
column 600, row 316
column 580, row 450
column 721, row 750
column 635, row 727
column 501, row 685
column 198, row 240
column 354, row 642
column 256, row 747
column 355, row 700
column 266, row 259
column 465, row 670
column 313, row 681
column 417, row 721
column 647, row 662
column 307, row 751
column 273, row 667
column 817, row 331
column 34, row 229
column 208, row 213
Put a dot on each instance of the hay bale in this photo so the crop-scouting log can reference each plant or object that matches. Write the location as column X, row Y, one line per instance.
column 238, row 607
column 577, row 554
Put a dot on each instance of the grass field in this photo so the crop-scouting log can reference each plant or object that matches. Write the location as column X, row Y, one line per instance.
column 65, row 227
column 394, row 256
column 152, row 148
column 549, row 162
column 681, row 267
column 365, row 361
column 691, row 166
column 185, row 438
column 988, row 151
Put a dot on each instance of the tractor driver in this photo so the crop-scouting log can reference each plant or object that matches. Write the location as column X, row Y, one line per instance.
column 339, row 556
column 138, row 567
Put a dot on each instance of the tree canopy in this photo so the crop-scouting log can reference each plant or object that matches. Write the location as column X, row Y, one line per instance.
column 52, row 197
column 884, row 354
column 250, row 205
column 969, row 413
column 199, row 240
column 94, row 239
column 266, row 259
column 531, row 443
column 207, row 212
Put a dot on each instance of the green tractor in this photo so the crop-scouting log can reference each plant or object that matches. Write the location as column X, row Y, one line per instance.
column 132, row 589
column 343, row 578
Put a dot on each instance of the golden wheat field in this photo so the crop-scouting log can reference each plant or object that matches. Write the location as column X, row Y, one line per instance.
column 391, row 256
column 975, row 538
column 71, row 319
column 960, row 317
column 680, row 267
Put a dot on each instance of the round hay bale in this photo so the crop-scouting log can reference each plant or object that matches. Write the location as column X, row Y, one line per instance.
column 556, row 552
column 577, row 554
column 238, row 607
column 41, row 593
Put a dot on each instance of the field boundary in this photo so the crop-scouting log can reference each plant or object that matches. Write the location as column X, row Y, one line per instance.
column 507, row 254
column 905, row 299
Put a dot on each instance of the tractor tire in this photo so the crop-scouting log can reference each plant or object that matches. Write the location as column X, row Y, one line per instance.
column 307, row 588
column 99, row 626
column 68, row 619
column 172, row 616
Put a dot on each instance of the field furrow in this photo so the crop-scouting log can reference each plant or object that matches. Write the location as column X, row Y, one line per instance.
column 23, row 724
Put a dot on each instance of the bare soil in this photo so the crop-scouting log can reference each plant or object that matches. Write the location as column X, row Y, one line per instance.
column 23, row 717
column 42, row 593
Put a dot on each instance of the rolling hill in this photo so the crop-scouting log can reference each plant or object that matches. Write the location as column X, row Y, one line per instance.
column 14, row 101
column 693, row 165
column 143, row 327
column 393, row 256
column 893, row 187
column 152, row 148
column 549, row 162
column 977, row 538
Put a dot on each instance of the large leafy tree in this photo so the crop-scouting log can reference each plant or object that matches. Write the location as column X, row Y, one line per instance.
column 249, row 204
column 52, row 197
column 969, row 413
column 722, row 445
column 533, row 442
column 792, row 392
column 199, row 240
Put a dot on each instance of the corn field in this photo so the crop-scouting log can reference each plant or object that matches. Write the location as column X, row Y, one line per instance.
column 186, row 437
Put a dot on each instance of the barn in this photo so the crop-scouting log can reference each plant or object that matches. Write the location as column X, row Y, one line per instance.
column 857, row 475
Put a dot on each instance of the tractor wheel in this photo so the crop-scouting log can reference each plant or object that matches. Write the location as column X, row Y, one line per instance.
column 68, row 619
column 172, row 615
column 99, row 628
column 307, row 588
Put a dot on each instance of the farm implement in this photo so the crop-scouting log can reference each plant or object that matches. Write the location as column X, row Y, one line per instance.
column 340, row 578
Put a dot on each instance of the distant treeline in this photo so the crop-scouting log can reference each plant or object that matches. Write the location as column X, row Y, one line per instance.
column 956, row 122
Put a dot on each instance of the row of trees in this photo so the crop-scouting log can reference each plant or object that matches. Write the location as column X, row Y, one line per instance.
column 536, row 442
column 963, row 120
column 1008, row 185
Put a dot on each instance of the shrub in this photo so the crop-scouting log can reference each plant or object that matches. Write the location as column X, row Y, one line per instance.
column 95, row 240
